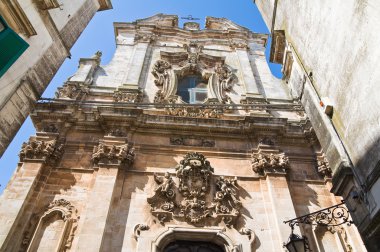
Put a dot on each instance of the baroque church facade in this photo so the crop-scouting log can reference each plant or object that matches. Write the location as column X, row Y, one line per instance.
column 183, row 141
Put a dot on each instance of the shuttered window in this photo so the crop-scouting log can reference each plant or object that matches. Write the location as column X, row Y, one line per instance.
column 11, row 46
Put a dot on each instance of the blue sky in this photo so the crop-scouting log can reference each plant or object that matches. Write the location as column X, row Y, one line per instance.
column 99, row 35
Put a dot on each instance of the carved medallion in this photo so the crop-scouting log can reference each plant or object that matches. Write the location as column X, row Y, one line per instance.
column 194, row 202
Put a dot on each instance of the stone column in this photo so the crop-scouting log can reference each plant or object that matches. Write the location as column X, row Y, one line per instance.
column 112, row 154
column 33, row 155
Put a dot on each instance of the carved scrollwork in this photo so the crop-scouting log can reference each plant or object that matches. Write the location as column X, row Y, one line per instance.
column 122, row 154
column 138, row 229
column 160, row 72
column 221, row 81
column 195, row 204
column 127, row 96
column 264, row 162
column 191, row 141
column 71, row 90
column 43, row 150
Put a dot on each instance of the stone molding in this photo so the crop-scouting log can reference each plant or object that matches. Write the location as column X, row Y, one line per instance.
column 194, row 204
column 20, row 20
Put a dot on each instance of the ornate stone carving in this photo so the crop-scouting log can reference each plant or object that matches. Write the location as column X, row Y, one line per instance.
column 191, row 26
column 160, row 72
column 71, row 90
column 122, row 154
column 145, row 37
column 52, row 128
column 44, row 150
column 195, row 203
column 195, row 112
column 239, row 45
column 191, row 141
column 175, row 65
column 324, row 167
column 248, row 232
column 127, row 96
column 138, row 228
column 265, row 162
column 267, row 140
column 116, row 132
column 220, row 82
column 67, row 212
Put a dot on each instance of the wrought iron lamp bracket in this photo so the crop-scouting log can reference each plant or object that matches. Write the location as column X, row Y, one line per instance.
column 331, row 216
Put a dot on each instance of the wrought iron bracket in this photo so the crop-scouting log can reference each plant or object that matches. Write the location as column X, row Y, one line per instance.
column 332, row 216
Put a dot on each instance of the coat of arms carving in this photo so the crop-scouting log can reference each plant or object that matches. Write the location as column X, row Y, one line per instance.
column 194, row 202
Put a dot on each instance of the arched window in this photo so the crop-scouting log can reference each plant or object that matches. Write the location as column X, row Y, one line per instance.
column 192, row 89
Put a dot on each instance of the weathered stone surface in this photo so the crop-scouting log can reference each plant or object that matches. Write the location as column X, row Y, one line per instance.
column 141, row 178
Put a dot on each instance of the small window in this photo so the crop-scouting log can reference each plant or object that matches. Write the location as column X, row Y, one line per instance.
column 192, row 89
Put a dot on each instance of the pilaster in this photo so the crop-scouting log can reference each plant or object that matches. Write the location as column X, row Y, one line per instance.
column 40, row 149
column 112, row 154
column 250, row 85
column 274, row 165
column 136, row 64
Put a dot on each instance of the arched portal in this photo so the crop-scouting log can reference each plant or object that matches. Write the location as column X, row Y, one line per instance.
column 200, row 239
column 192, row 246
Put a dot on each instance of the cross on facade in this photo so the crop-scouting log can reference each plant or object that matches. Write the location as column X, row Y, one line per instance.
column 190, row 17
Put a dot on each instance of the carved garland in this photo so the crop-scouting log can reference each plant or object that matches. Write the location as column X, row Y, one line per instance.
column 69, row 215
column 194, row 173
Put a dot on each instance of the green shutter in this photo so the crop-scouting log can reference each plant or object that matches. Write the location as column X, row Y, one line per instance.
column 11, row 47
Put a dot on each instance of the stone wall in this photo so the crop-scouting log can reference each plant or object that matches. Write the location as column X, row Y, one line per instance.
column 25, row 81
column 335, row 53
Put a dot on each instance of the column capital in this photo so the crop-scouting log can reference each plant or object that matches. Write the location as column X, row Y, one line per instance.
column 113, row 151
column 269, row 160
column 43, row 148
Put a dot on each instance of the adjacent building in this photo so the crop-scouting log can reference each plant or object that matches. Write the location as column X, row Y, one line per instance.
column 184, row 140
column 330, row 53
column 35, row 39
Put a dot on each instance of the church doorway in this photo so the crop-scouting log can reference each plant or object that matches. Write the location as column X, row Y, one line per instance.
column 192, row 246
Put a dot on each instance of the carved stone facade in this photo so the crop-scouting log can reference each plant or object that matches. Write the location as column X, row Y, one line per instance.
column 147, row 171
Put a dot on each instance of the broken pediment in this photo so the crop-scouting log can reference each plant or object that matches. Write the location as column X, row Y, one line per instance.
column 159, row 20
column 213, row 23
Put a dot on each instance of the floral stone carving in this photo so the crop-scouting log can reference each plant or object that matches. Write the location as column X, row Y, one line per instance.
column 122, row 154
column 264, row 162
column 194, row 202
